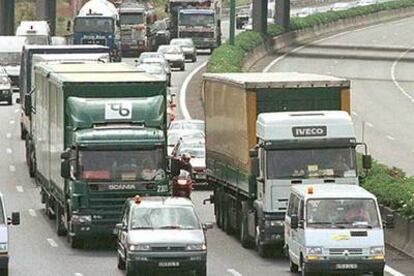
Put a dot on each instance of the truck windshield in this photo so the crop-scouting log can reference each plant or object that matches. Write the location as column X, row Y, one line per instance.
column 120, row 165
column 132, row 18
column 168, row 217
column 342, row 213
column 37, row 39
column 311, row 163
column 98, row 25
column 9, row 58
column 194, row 20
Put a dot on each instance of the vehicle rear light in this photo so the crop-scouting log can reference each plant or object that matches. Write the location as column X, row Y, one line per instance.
column 182, row 181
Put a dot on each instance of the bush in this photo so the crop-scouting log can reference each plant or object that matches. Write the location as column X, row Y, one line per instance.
column 226, row 58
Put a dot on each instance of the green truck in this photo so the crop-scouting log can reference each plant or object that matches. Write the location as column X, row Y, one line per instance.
column 266, row 132
column 107, row 130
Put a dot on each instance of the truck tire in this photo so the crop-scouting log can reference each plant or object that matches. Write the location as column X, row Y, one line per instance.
column 217, row 206
column 30, row 159
column 60, row 227
column 244, row 235
column 22, row 132
column 294, row 268
column 226, row 215
column 49, row 205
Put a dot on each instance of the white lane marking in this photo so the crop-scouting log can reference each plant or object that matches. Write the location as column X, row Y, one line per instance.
column 8, row 135
column 32, row 213
column 390, row 138
column 78, row 274
column 392, row 271
column 234, row 272
column 394, row 80
column 12, row 168
column 183, row 91
column 369, row 124
column 52, row 243
column 9, row 151
column 354, row 113
column 20, row 189
column 12, row 122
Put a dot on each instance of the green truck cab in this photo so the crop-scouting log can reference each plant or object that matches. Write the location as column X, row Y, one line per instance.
column 107, row 129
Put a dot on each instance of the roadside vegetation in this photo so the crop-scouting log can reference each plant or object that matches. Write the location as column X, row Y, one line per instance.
column 391, row 186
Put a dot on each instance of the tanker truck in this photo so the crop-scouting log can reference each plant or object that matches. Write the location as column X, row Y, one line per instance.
column 98, row 23
column 266, row 132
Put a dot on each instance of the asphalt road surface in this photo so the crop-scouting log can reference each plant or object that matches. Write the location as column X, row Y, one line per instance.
column 379, row 62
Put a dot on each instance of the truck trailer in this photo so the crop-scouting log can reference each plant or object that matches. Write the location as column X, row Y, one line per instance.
column 107, row 129
column 266, row 132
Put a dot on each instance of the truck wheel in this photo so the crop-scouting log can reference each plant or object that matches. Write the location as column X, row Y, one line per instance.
column 121, row 263
column 294, row 268
column 202, row 271
column 244, row 235
column 22, row 132
column 60, row 227
column 48, row 206
column 217, row 211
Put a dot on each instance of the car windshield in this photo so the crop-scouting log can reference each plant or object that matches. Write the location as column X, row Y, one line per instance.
column 150, row 55
column 166, row 217
column 342, row 213
column 311, row 163
column 192, row 20
column 195, row 152
column 169, row 50
column 173, row 137
column 187, row 125
column 182, row 42
column 99, row 25
column 10, row 58
column 121, row 165
column 132, row 18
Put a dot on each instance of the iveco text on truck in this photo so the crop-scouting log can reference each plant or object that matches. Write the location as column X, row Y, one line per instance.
column 265, row 132
column 107, row 128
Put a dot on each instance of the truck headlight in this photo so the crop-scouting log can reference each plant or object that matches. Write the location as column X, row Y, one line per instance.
column 314, row 250
column 196, row 247
column 377, row 252
column 79, row 219
column 3, row 247
column 274, row 223
column 139, row 247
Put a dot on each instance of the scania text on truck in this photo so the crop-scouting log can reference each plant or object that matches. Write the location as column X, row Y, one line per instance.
column 202, row 25
column 108, row 131
column 98, row 23
column 25, row 83
column 265, row 132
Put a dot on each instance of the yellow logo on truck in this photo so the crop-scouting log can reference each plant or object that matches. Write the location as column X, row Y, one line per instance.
column 340, row 237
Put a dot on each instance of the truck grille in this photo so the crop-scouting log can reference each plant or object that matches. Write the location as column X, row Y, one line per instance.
column 345, row 251
column 197, row 34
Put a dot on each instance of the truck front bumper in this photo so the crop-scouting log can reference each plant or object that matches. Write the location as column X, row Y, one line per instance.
column 345, row 266
column 4, row 260
column 273, row 234
column 167, row 260
column 93, row 230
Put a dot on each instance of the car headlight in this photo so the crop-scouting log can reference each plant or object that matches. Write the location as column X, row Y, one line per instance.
column 139, row 247
column 3, row 247
column 196, row 247
column 274, row 223
column 314, row 250
column 79, row 219
column 377, row 250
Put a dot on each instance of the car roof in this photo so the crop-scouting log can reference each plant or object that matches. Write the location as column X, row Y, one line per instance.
column 158, row 201
column 331, row 191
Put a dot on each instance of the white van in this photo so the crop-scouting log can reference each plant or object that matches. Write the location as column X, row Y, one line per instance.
column 334, row 228
column 4, row 236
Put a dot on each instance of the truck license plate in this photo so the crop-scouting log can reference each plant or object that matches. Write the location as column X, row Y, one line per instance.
column 346, row 266
column 168, row 264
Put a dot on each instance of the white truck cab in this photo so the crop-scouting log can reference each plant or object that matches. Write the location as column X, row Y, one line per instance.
column 334, row 228
column 4, row 236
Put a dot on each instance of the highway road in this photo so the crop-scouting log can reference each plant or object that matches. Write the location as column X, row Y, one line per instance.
column 379, row 62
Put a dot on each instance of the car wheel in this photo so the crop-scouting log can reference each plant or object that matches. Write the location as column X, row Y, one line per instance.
column 121, row 263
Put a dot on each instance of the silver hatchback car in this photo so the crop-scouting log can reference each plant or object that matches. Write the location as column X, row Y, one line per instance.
column 159, row 233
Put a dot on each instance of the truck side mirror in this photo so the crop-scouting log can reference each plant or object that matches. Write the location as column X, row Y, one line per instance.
column 389, row 221
column 65, row 168
column 294, row 221
column 253, row 153
column 121, row 227
column 15, row 219
column 27, row 104
column 255, row 166
column 366, row 161
column 66, row 154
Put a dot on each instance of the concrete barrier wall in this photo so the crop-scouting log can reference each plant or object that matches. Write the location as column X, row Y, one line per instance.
column 309, row 34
